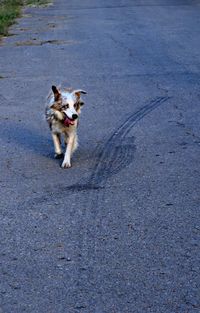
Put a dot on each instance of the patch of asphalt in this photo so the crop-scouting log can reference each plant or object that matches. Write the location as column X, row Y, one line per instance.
column 120, row 230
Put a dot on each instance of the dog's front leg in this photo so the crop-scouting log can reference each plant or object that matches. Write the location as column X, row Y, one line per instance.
column 57, row 146
column 67, row 159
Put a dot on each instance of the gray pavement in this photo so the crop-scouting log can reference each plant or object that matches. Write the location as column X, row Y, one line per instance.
column 120, row 231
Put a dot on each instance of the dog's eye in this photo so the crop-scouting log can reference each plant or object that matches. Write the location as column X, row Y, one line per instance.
column 66, row 106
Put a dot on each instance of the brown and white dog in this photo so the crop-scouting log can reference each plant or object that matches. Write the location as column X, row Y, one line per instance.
column 62, row 113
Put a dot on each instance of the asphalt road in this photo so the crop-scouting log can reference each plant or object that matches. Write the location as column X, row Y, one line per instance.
column 119, row 232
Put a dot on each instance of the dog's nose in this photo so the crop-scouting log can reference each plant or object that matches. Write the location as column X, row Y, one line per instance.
column 74, row 116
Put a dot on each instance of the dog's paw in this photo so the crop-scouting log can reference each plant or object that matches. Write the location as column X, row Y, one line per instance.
column 58, row 155
column 66, row 165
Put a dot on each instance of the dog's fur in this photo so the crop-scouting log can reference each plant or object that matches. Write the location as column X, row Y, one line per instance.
column 62, row 113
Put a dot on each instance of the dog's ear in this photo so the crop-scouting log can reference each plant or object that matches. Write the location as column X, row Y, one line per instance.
column 78, row 93
column 56, row 93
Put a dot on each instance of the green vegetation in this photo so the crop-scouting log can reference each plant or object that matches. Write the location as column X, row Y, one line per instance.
column 37, row 2
column 11, row 9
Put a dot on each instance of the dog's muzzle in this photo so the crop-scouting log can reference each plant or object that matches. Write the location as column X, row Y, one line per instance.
column 68, row 121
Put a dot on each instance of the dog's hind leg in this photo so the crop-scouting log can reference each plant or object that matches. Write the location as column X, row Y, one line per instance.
column 57, row 146
column 75, row 143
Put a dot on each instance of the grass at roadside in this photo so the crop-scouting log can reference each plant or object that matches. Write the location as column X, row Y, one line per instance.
column 11, row 9
column 37, row 2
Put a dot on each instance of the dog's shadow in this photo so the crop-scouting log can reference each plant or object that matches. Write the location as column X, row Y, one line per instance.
column 33, row 141
column 25, row 137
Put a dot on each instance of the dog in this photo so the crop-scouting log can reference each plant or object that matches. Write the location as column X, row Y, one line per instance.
column 62, row 114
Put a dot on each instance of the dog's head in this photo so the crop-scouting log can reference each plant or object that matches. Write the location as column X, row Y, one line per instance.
column 67, row 104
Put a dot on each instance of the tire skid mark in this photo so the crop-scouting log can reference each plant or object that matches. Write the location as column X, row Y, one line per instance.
column 118, row 150
column 116, row 154
column 117, row 157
